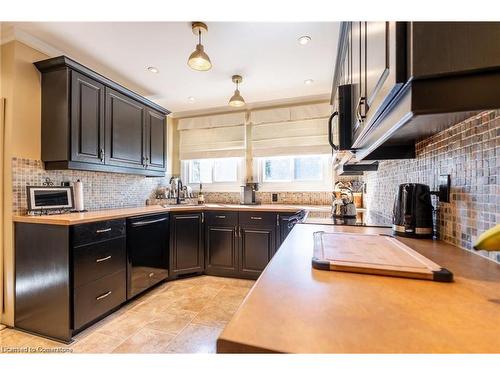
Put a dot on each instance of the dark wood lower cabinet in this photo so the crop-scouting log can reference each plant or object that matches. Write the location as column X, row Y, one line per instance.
column 257, row 246
column 186, row 243
column 68, row 277
column 221, row 251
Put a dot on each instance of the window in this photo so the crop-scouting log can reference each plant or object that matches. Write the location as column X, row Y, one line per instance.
column 293, row 168
column 220, row 172
column 294, row 173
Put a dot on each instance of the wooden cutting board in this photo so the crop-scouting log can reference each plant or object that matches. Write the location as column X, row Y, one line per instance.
column 373, row 254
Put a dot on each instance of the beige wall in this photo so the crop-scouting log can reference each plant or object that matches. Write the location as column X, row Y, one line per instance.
column 21, row 90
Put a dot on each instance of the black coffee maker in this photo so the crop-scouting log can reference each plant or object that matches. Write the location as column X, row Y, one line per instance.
column 412, row 215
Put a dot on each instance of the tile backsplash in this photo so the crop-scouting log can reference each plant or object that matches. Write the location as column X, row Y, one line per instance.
column 468, row 151
column 100, row 190
column 115, row 190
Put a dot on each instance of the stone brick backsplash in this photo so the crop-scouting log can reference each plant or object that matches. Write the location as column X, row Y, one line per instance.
column 468, row 151
column 101, row 190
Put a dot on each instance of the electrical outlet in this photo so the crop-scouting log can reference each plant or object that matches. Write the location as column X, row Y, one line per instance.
column 274, row 197
column 444, row 188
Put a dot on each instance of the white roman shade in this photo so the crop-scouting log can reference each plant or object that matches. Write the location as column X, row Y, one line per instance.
column 296, row 130
column 215, row 136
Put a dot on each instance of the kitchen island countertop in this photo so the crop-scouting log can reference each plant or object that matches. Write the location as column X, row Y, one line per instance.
column 293, row 308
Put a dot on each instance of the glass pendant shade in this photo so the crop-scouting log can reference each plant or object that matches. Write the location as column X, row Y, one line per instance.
column 199, row 60
column 236, row 100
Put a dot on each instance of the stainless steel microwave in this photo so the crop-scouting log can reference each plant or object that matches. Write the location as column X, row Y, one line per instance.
column 50, row 197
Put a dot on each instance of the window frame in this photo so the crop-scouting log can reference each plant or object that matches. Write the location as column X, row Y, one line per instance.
column 325, row 184
column 214, row 186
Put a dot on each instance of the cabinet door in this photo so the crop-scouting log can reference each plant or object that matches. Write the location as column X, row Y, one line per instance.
column 125, row 130
column 355, row 42
column 221, row 249
column 186, row 246
column 87, row 119
column 155, row 140
column 257, row 246
column 377, row 59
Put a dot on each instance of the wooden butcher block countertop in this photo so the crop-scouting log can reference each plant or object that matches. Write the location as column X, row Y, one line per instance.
column 87, row 217
column 294, row 308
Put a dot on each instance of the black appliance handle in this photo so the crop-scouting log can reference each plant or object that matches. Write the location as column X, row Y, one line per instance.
column 330, row 132
column 143, row 223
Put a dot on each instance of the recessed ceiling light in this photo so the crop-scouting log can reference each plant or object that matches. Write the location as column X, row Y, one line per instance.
column 153, row 69
column 191, row 99
column 303, row 40
column 308, row 81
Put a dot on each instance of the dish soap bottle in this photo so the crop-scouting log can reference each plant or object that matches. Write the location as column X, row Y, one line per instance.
column 201, row 198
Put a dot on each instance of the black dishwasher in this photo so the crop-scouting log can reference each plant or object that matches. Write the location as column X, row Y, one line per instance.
column 147, row 252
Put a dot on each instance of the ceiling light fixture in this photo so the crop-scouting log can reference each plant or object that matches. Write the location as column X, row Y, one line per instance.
column 199, row 60
column 153, row 69
column 308, row 81
column 303, row 40
column 237, row 100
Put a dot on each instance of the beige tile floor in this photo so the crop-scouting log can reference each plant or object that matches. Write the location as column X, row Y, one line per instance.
column 182, row 316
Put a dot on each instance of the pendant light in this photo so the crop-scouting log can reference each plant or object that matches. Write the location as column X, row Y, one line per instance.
column 199, row 60
column 237, row 100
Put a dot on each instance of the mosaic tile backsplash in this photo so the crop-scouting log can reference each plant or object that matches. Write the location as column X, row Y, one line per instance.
column 100, row 190
column 115, row 190
column 468, row 151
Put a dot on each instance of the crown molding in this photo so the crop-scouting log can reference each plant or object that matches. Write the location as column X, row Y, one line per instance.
column 11, row 33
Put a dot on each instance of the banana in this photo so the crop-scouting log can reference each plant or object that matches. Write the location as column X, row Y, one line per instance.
column 489, row 240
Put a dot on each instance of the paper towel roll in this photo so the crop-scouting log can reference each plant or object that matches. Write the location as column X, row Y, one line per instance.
column 79, row 196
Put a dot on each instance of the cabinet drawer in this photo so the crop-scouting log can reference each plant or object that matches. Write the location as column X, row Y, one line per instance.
column 101, row 230
column 224, row 218
column 258, row 218
column 98, row 297
column 91, row 262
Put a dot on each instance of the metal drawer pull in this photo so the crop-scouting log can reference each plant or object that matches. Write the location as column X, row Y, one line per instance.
column 103, row 296
column 151, row 274
column 255, row 218
column 187, row 217
column 103, row 259
column 103, row 230
column 143, row 223
column 220, row 216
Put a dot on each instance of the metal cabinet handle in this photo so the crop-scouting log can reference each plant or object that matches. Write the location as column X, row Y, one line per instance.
column 103, row 259
column 103, row 230
column 202, row 217
column 151, row 274
column 220, row 216
column 255, row 218
column 277, row 220
column 143, row 223
column 101, row 154
column 103, row 296
column 330, row 131
column 361, row 102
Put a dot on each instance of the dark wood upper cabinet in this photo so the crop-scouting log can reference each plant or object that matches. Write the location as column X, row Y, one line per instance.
column 87, row 119
column 125, row 131
column 155, row 138
column 92, row 123
column 186, row 243
column 411, row 80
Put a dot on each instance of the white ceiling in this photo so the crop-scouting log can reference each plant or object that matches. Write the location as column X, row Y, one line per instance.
column 268, row 56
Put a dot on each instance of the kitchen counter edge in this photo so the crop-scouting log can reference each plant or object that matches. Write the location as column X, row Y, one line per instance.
column 92, row 216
